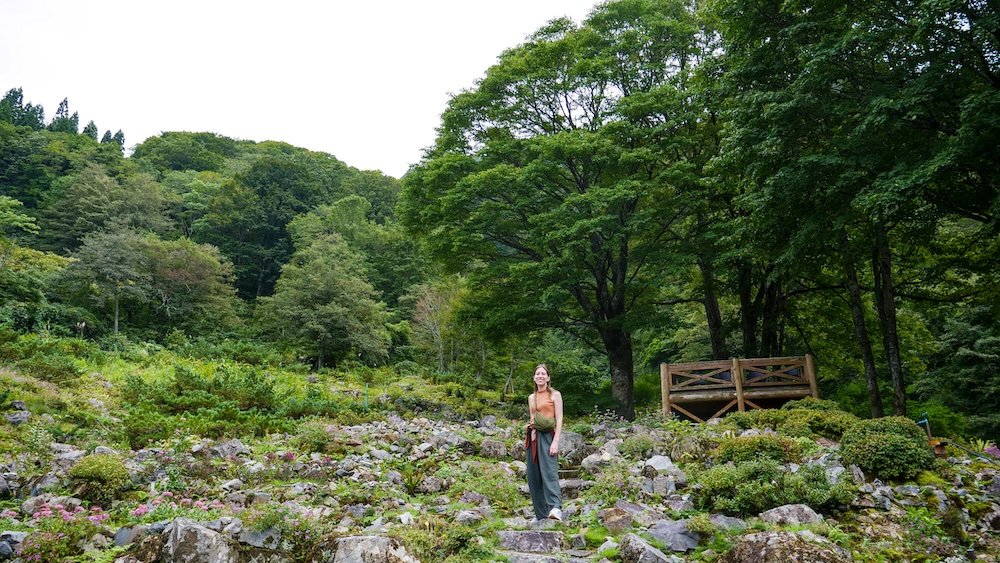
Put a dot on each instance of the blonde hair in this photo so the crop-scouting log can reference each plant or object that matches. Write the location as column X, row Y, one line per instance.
column 548, row 384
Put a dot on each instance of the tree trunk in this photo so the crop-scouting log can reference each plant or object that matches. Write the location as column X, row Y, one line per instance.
column 885, row 302
column 772, row 315
column 713, row 314
column 116, row 314
column 618, row 344
column 861, row 329
column 748, row 313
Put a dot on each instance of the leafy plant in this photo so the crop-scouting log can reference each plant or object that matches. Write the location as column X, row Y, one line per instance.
column 747, row 448
column 100, row 478
column 889, row 448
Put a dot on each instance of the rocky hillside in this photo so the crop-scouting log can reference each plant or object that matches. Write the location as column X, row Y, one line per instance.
column 804, row 483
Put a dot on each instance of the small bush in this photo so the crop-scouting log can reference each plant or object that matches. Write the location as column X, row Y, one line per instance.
column 101, row 478
column 887, row 456
column 61, row 534
column 747, row 448
column 639, row 446
column 754, row 486
column 893, row 447
column 312, row 436
column 800, row 420
column 811, row 403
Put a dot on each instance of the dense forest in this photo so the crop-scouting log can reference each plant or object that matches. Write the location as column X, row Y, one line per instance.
column 661, row 182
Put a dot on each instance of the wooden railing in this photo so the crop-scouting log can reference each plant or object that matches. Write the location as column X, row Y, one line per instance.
column 736, row 383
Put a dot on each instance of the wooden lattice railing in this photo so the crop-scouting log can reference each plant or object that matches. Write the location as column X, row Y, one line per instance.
column 736, row 383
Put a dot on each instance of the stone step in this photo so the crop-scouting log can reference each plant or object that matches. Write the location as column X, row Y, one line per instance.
column 559, row 557
column 530, row 541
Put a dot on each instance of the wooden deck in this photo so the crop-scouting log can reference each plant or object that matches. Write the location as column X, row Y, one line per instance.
column 736, row 383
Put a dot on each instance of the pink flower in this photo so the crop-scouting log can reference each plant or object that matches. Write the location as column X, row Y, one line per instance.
column 140, row 510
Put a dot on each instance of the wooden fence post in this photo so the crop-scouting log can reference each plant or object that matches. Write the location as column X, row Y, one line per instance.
column 738, row 382
column 811, row 376
column 665, row 387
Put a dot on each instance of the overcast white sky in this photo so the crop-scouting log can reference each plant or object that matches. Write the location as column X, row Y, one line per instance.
column 364, row 81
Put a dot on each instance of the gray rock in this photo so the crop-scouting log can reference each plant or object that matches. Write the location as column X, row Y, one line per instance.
column 18, row 406
column 190, row 542
column 660, row 464
column 728, row 523
column 634, row 549
column 380, row 454
column 18, row 418
column 232, row 485
column 371, row 549
column 675, row 535
column 488, row 421
column 791, row 514
column 5, row 488
column 530, row 541
column 232, row 448
column 493, row 449
column 267, row 539
column 642, row 514
column 431, row 484
column 126, row 536
column 6, row 551
column 768, row 547
column 13, row 538
column 104, row 450
column 468, row 517
column 615, row 520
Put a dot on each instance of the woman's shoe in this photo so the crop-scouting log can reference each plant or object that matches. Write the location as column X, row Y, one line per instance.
column 555, row 514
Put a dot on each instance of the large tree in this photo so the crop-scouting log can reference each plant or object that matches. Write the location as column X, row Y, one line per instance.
column 554, row 182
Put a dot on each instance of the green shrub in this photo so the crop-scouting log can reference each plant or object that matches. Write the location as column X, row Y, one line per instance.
column 887, row 425
column 807, row 417
column 887, row 456
column 100, row 478
column 312, row 436
column 60, row 536
column 53, row 368
column 811, row 403
column 747, row 448
column 754, row 486
column 638, row 446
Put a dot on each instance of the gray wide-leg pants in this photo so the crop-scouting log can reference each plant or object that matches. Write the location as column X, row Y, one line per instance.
column 543, row 478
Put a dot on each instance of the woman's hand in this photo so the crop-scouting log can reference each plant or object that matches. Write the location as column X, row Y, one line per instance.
column 554, row 448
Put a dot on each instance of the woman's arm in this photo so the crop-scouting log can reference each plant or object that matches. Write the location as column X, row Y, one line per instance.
column 531, row 408
column 558, row 403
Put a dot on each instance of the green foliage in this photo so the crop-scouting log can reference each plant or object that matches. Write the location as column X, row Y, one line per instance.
column 46, row 358
column 57, row 539
column 754, row 486
column 324, row 305
column 811, row 403
column 763, row 446
column 889, row 448
column 797, row 421
column 100, row 478
column 639, row 446
column 235, row 400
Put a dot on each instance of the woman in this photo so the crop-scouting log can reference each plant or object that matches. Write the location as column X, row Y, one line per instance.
column 542, row 444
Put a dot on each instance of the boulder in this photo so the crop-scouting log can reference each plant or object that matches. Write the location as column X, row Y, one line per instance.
column 531, row 541
column 642, row 514
column 493, row 449
column 615, row 520
column 634, row 549
column 267, row 539
column 674, row 535
column 791, row 514
column 190, row 542
column 232, row 448
column 18, row 418
column 371, row 549
column 770, row 547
